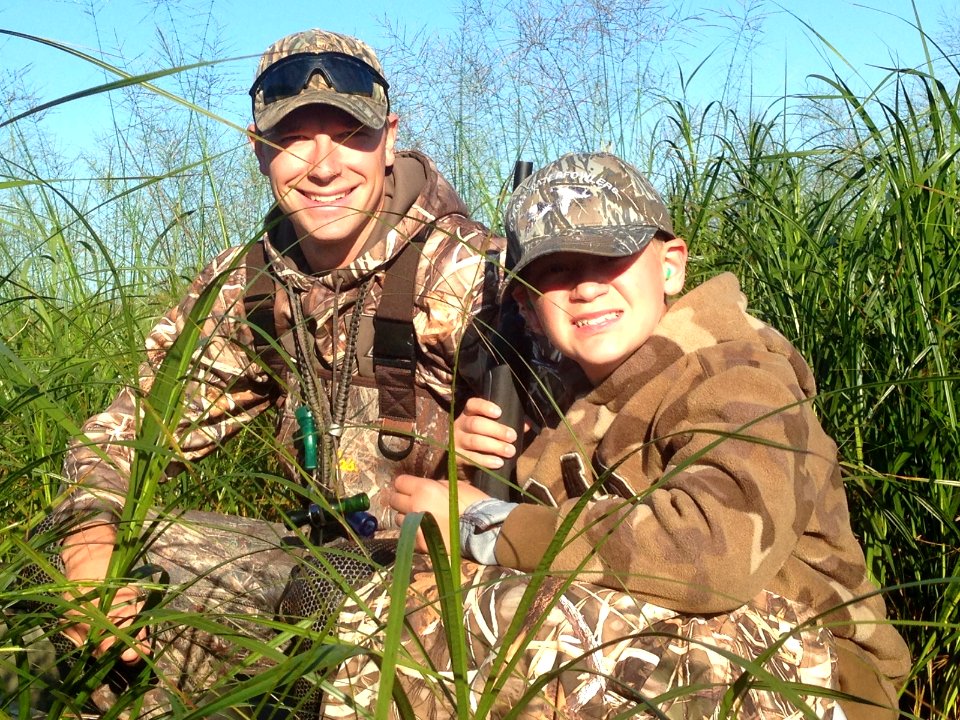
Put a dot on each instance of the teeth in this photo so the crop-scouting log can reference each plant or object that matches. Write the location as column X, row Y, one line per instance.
column 597, row 320
column 324, row 198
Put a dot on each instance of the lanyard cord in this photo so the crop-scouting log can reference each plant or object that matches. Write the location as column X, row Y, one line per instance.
column 348, row 365
column 320, row 399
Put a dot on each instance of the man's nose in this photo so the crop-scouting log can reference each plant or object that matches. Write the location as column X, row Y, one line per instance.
column 324, row 159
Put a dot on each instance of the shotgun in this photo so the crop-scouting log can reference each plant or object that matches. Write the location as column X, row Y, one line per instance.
column 501, row 380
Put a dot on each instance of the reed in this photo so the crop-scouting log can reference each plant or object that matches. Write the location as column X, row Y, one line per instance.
column 841, row 229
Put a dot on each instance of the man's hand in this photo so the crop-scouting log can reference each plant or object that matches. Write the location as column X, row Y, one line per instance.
column 86, row 557
column 479, row 439
column 419, row 494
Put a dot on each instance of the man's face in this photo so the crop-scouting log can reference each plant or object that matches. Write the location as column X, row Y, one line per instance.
column 327, row 173
column 597, row 310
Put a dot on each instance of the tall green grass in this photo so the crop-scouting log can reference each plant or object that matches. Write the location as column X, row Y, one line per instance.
column 846, row 243
column 843, row 239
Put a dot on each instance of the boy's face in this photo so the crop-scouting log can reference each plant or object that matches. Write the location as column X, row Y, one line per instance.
column 327, row 174
column 598, row 310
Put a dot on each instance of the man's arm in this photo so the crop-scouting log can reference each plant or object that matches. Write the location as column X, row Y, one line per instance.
column 457, row 304
column 225, row 390
column 86, row 557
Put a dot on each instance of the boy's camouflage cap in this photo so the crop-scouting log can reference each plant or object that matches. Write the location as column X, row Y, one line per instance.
column 591, row 203
column 371, row 111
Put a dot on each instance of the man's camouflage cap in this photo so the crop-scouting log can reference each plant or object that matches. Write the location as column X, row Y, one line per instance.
column 371, row 111
column 593, row 203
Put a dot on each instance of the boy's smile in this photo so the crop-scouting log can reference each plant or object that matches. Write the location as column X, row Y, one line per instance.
column 598, row 310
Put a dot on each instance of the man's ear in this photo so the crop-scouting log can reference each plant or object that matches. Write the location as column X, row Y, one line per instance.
column 674, row 256
column 389, row 148
column 523, row 297
column 259, row 149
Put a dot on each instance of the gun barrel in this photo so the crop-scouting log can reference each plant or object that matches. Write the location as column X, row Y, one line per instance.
column 499, row 387
column 521, row 171
column 500, row 384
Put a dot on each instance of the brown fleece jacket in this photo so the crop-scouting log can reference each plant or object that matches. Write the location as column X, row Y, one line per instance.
column 710, row 480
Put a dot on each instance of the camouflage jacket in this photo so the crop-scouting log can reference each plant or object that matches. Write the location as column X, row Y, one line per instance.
column 228, row 387
column 717, row 480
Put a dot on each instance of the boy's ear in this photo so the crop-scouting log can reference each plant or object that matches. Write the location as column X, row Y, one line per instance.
column 674, row 256
column 521, row 293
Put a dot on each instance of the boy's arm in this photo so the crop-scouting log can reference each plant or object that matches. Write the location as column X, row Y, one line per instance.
column 410, row 494
column 479, row 441
column 738, row 483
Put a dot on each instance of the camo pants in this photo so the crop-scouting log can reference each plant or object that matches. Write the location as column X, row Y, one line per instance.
column 602, row 653
column 599, row 652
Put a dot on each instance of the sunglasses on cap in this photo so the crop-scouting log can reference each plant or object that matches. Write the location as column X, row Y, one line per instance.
column 344, row 73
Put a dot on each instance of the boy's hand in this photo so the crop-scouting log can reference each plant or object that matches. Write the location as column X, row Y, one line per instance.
column 419, row 494
column 479, row 439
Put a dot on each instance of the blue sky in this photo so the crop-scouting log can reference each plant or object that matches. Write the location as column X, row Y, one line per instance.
column 869, row 31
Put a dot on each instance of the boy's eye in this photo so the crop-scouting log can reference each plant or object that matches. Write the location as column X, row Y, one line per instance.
column 558, row 268
column 614, row 263
column 552, row 274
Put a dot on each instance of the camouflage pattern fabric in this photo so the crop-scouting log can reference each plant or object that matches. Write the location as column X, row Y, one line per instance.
column 604, row 653
column 228, row 388
column 710, row 479
column 372, row 111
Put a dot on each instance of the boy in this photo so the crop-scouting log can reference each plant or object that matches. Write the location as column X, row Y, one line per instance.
column 712, row 487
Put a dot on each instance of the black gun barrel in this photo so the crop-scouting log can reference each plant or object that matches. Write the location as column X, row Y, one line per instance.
column 521, row 171
column 500, row 383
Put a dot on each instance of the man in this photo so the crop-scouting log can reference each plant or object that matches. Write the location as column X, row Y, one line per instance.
column 367, row 278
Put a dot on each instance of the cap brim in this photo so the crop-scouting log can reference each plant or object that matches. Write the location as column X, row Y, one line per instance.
column 603, row 242
column 368, row 111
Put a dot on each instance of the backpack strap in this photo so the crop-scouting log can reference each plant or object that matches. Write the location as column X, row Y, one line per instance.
column 394, row 340
column 395, row 354
column 259, row 305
